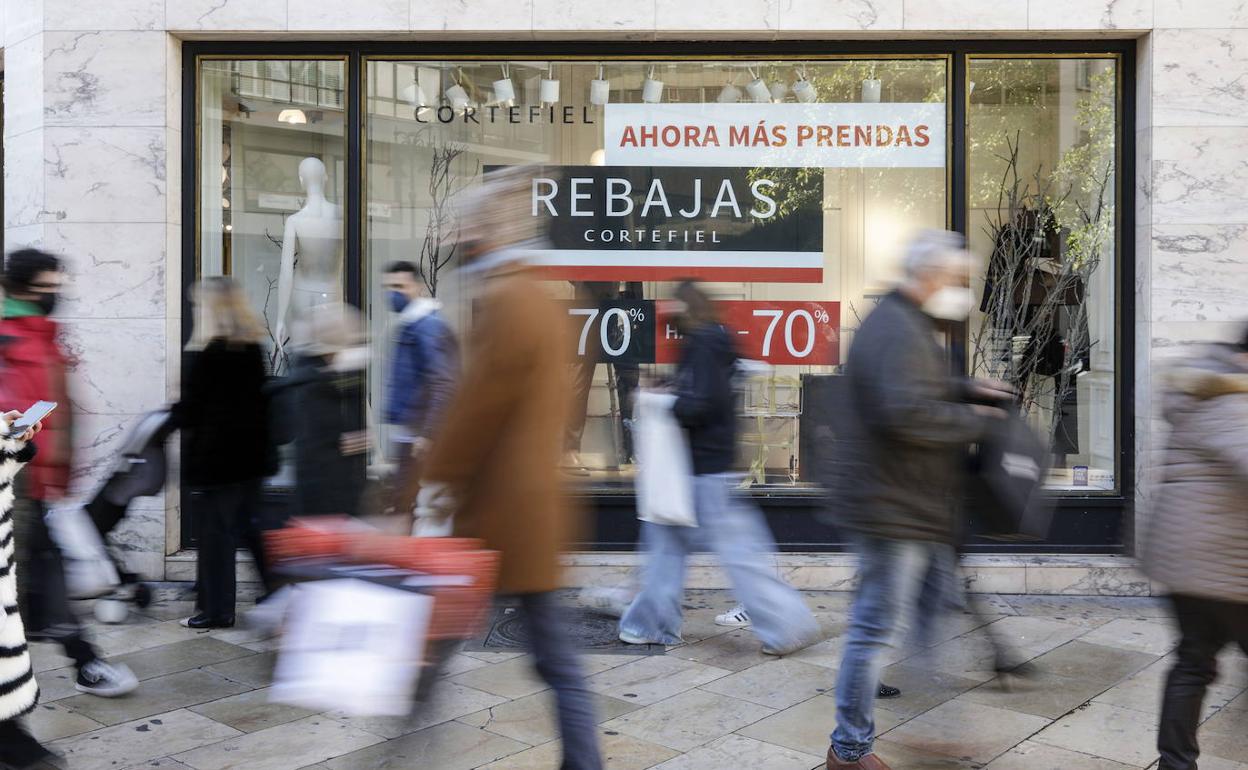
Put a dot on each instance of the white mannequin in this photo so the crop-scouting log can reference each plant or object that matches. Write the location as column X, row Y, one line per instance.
column 314, row 234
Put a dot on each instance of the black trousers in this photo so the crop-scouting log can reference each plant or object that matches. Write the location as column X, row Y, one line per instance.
column 42, row 595
column 225, row 517
column 1206, row 626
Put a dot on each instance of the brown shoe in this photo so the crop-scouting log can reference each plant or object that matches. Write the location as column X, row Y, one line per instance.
column 866, row 762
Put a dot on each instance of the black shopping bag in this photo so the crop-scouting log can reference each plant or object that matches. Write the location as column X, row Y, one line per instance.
column 1005, row 494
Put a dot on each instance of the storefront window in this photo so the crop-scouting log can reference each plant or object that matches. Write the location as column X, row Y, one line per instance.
column 272, row 156
column 787, row 186
column 1042, row 181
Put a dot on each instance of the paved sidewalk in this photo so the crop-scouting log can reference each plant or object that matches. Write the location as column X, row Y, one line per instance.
column 714, row 703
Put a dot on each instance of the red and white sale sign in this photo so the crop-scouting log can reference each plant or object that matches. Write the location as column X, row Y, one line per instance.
column 775, row 332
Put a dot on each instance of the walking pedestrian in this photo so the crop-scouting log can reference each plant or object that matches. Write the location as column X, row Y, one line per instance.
column 18, row 690
column 728, row 522
column 494, row 465
column 1197, row 545
column 226, row 452
column 423, row 369
column 898, row 461
column 35, row 368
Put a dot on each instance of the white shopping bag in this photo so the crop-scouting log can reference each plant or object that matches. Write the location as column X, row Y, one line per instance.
column 89, row 570
column 352, row 646
column 664, row 465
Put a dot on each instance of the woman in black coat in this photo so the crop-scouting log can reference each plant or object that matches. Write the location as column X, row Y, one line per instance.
column 226, row 450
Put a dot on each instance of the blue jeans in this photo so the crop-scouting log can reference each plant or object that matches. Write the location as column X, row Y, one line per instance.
column 894, row 576
column 559, row 665
column 734, row 528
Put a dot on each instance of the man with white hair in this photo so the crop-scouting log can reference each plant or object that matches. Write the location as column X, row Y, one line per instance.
column 899, row 457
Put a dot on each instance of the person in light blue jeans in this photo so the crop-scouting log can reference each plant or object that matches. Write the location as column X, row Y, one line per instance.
column 898, row 579
column 731, row 526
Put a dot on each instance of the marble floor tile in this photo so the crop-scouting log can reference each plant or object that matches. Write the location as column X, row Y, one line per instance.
column 120, row 640
column 1068, row 607
column 902, row 757
column 164, row 763
column 251, row 711
column 1143, row 692
column 285, row 747
column 1029, row 755
column 133, row 743
column 619, row 752
column 807, row 726
column 181, row 656
column 254, row 670
column 53, row 721
column 828, row 653
column 492, row 656
column 1044, row 694
column 968, row 657
column 1225, row 735
column 460, row 664
column 1034, row 635
column 921, row 689
column 777, row 683
column 448, row 746
column 689, row 720
column 1154, row 636
column 156, row 696
column 47, row 657
column 449, row 701
column 57, row 683
column 652, row 679
column 1123, row 735
column 514, row 678
column 735, row 651
column 1092, row 662
column 532, row 719
column 739, row 751
column 967, row 730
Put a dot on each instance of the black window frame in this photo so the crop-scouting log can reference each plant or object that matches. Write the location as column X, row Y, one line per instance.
column 1101, row 523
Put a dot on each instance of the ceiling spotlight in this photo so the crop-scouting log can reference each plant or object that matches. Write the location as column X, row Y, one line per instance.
column 504, row 89
column 548, row 89
column 599, row 89
column 457, row 97
column 598, row 157
column 757, row 89
column 652, row 90
column 778, row 91
column 871, row 90
column 729, row 94
column 804, row 90
column 292, row 116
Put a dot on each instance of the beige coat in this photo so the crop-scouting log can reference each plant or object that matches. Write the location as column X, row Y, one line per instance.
column 500, row 444
column 1197, row 540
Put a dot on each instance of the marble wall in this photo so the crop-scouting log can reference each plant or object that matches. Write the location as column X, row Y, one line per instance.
column 93, row 130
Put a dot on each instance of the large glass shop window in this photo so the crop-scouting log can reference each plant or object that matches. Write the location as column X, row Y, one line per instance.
column 789, row 187
column 1042, row 155
column 272, row 170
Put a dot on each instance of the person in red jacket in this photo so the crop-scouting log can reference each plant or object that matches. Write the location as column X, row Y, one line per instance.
column 33, row 367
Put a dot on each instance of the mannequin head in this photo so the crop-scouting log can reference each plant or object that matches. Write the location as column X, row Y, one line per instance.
column 312, row 174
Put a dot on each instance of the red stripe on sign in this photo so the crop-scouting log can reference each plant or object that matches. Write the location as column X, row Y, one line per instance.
column 675, row 273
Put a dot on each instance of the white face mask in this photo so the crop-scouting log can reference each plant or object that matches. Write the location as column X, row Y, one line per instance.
column 950, row 303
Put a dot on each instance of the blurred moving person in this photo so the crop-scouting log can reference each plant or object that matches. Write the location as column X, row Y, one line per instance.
column 1197, row 544
column 728, row 522
column 494, row 465
column 324, row 395
column 423, row 369
column 18, row 690
column 897, row 468
column 36, row 368
column 224, row 417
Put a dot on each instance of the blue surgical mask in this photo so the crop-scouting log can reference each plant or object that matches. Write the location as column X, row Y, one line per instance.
column 398, row 300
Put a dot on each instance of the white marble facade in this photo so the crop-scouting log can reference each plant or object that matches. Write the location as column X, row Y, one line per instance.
column 93, row 127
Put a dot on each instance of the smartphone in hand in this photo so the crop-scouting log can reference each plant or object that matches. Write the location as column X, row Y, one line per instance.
column 31, row 417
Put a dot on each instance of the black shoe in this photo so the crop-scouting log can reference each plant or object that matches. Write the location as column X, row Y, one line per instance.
column 206, row 621
column 887, row 691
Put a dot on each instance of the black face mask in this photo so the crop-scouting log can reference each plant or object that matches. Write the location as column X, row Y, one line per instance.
column 47, row 302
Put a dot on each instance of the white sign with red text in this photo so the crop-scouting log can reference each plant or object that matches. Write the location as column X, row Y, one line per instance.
column 848, row 135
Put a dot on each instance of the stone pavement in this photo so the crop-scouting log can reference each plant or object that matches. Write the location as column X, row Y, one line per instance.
column 715, row 702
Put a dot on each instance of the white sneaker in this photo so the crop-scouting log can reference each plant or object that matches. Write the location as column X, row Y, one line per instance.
column 609, row 601
column 735, row 617
column 107, row 680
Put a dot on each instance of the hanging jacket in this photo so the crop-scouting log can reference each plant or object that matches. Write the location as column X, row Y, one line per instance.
column 18, row 689
column 35, row 369
column 1197, row 541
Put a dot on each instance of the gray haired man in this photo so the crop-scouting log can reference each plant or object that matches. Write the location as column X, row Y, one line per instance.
column 898, row 464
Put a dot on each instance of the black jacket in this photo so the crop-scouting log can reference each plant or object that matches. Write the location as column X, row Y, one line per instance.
column 705, row 400
column 900, row 453
column 224, row 416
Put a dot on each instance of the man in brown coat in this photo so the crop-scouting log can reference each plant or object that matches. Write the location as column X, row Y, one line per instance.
column 494, row 465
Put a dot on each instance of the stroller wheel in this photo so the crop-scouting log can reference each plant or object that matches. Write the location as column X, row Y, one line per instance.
column 111, row 611
column 142, row 595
